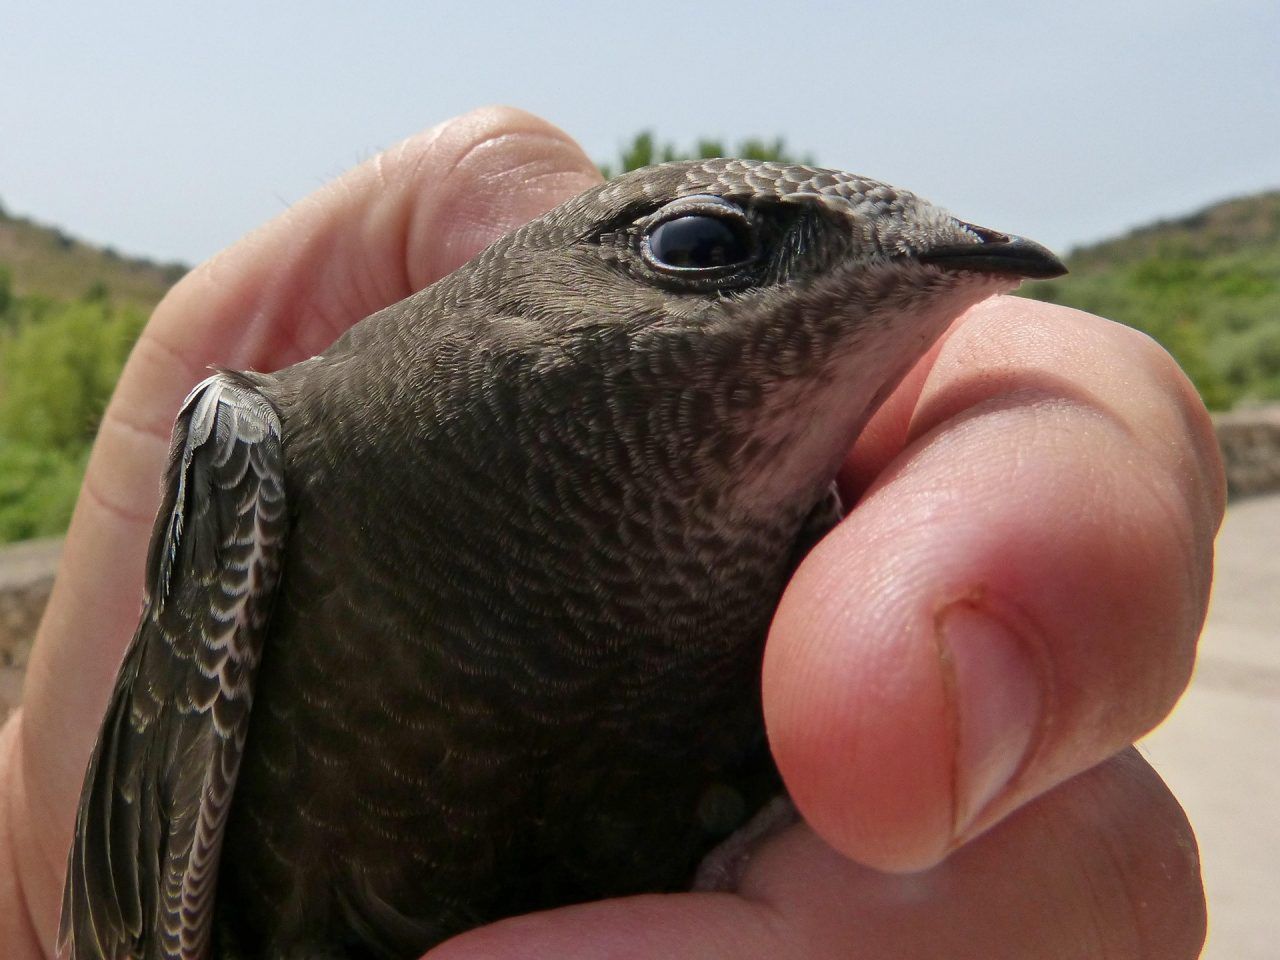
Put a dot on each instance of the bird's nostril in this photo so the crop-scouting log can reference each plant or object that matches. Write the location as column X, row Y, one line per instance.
column 985, row 234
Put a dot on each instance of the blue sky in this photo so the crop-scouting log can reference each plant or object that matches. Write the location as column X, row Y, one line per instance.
column 170, row 129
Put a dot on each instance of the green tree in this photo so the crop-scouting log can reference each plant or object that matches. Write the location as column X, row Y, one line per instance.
column 97, row 292
column 57, row 371
column 59, row 362
column 38, row 489
column 644, row 149
column 6, row 298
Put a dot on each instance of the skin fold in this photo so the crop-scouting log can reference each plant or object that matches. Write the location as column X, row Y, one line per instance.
column 956, row 669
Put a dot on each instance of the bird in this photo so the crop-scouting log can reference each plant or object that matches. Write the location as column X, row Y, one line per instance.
column 464, row 617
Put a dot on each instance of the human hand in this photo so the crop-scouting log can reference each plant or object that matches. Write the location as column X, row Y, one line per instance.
column 1044, row 466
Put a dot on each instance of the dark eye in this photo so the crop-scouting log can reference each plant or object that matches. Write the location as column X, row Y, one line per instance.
column 699, row 242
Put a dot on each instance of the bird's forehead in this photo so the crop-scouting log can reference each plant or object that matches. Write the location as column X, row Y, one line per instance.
column 766, row 180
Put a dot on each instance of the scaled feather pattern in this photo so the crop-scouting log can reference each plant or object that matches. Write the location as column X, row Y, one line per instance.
column 464, row 618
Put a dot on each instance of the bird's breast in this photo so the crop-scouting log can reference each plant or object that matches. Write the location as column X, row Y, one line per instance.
column 480, row 698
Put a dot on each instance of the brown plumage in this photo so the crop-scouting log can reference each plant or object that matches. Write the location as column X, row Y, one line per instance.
column 464, row 617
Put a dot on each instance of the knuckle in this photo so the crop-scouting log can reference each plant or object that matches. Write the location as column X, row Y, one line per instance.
column 1177, row 426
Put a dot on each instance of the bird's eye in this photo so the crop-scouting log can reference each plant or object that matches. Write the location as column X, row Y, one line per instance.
column 699, row 241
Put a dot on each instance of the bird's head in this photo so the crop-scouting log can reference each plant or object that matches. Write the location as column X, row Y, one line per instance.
column 758, row 311
column 712, row 236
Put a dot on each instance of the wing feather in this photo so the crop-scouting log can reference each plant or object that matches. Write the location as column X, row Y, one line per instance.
column 143, row 866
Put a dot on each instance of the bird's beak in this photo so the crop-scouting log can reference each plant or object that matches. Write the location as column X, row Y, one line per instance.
column 997, row 253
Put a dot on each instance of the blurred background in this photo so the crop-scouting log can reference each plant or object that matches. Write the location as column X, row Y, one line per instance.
column 1141, row 138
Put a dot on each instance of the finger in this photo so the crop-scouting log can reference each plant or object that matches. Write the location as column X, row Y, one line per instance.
column 1018, row 595
column 388, row 227
column 1104, row 866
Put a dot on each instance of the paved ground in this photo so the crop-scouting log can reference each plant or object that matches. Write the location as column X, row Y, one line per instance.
column 1220, row 751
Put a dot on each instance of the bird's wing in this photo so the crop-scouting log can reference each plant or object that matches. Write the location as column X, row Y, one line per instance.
column 144, row 862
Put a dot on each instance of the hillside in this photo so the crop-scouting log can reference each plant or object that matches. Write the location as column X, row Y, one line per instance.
column 1207, row 286
column 44, row 261
column 1244, row 224
column 69, row 313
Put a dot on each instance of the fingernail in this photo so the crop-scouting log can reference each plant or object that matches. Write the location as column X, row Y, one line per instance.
column 996, row 701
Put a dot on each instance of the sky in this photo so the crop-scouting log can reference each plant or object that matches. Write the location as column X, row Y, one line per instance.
column 170, row 129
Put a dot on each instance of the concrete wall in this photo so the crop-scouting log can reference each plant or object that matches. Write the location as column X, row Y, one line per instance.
column 26, row 576
column 1250, row 441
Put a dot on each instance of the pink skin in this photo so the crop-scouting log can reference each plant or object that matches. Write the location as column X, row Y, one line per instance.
column 1015, row 599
